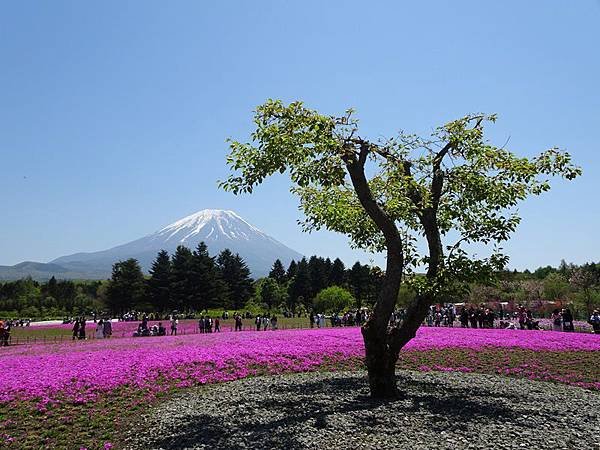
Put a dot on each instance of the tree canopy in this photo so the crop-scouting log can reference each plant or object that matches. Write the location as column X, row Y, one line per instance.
column 470, row 186
column 452, row 187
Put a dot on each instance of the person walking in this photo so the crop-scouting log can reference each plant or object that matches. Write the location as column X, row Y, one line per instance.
column 257, row 322
column 99, row 330
column 464, row 318
column 595, row 321
column 76, row 329
column 107, row 328
column 174, row 323
column 567, row 318
column 473, row 317
column 82, row 328
column 556, row 318
column 6, row 336
column 2, row 333
column 217, row 325
column 522, row 317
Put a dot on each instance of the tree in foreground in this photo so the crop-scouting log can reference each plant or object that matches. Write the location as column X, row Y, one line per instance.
column 451, row 188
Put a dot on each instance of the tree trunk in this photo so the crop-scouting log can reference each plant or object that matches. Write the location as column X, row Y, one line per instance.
column 382, row 345
column 381, row 362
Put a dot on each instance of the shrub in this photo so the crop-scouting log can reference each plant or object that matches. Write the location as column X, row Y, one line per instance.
column 333, row 299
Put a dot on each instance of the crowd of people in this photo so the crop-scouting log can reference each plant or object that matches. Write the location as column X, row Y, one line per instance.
column 206, row 324
column 347, row 319
column 144, row 329
column 439, row 315
column 479, row 317
column 102, row 329
column 482, row 317
column 265, row 322
column 17, row 322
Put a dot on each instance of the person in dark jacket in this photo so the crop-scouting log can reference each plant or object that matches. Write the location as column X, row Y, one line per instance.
column 567, row 317
column 82, row 328
column 595, row 321
column 473, row 317
column 76, row 329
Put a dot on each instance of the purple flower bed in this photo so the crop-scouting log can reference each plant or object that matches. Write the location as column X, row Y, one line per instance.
column 79, row 371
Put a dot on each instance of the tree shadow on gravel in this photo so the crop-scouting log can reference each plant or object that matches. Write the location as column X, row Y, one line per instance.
column 308, row 408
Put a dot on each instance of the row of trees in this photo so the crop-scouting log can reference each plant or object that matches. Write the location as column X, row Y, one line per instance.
column 296, row 288
column 193, row 280
column 187, row 281
column 568, row 284
column 54, row 298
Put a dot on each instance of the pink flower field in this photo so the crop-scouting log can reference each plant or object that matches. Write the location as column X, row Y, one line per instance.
column 50, row 393
column 78, row 372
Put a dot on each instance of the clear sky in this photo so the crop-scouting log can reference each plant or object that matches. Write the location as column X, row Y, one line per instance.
column 114, row 114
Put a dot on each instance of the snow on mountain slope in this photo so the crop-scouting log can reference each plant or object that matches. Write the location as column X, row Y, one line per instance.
column 211, row 224
column 218, row 229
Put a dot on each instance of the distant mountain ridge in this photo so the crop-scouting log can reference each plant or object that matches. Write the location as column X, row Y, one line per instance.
column 218, row 229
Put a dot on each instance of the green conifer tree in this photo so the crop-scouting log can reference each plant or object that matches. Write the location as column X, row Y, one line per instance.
column 337, row 276
column 206, row 283
column 236, row 276
column 299, row 286
column 126, row 287
column 292, row 269
column 278, row 272
column 182, row 294
column 159, row 283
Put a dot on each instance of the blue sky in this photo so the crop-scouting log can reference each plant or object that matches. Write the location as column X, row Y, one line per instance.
column 114, row 114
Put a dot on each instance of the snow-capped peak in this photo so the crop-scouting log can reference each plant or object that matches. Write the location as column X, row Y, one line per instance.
column 211, row 223
column 218, row 229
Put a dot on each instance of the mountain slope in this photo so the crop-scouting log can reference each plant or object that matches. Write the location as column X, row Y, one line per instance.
column 219, row 229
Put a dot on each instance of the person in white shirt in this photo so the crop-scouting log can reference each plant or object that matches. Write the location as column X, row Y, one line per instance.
column 100, row 330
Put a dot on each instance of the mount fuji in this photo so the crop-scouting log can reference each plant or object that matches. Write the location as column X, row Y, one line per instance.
column 218, row 229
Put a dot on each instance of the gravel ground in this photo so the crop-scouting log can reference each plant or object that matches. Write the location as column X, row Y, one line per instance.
column 317, row 410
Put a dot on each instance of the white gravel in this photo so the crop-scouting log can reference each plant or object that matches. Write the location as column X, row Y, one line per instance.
column 321, row 410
